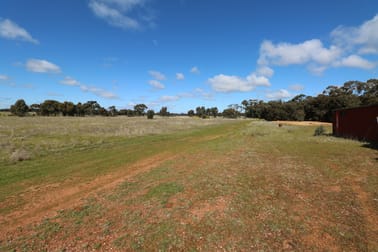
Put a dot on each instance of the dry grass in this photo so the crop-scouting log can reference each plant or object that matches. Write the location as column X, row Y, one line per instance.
column 246, row 186
column 42, row 135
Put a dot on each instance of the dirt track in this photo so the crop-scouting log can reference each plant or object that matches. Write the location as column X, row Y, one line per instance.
column 303, row 123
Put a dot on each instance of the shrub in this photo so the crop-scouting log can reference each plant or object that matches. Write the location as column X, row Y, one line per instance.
column 319, row 131
column 19, row 155
column 150, row 114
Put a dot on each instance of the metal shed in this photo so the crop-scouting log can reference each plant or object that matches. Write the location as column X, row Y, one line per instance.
column 357, row 123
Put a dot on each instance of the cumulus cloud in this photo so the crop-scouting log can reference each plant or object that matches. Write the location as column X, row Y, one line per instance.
column 355, row 61
column 231, row 83
column 118, row 13
column 180, row 76
column 41, row 66
column 195, row 70
column 365, row 37
column 284, row 54
column 345, row 51
column 156, row 84
column 70, row 81
column 157, row 75
column 11, row 30
column 278, row 95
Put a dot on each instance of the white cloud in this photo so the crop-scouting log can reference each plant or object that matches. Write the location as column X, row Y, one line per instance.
column 118, row 13
column 265, row 71
column 198, row 92
column 157, row 75
column 180, row 76
column 284, row 54
column 296, row 87
column 99, row 92
column 355, row 61
column 10, row 30
column 156, row 84
column 195, row 70
column 348, row 44
column 70, row 81
column 42, row 66
column 169, row 98
column 4, row 77
column 364, row 36
column 231, row 83
column 278, row 95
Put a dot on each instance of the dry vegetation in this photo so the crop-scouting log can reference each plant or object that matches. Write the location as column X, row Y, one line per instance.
column 236, row 186
column 23, row 138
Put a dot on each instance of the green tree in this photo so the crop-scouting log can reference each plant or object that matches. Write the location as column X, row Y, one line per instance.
column 35, row 107
column 50, row 108
column 230, row 113
column 150, row 114
column 112, row 111
column 164, row 111
column 201, row 112
column 67, row 108
column 91, row 108
column 140, row 109
column 19, row 108
column 191, row 113
column 214, row 111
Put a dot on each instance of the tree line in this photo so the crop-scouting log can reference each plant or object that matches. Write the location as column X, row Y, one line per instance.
column 301, row 107
column 318, row 108
column 67, row 108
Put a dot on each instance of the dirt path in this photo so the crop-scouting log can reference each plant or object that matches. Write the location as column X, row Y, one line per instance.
column 369, row 214
column 303, row 123
column 44, row 201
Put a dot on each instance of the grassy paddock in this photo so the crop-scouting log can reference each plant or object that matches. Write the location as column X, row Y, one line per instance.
column 244, row 185
column 42, row 135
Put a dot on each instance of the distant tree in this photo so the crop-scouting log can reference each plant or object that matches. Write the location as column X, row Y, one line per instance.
column 201, row 112
column 67, row 108
column 140, row 109
column 50, row 108
column 19, row 108
column 35, row 107
column 164, row 111
column 214, row 111
column 112, row 111
column 80, row 109
column 91, row 108
column 191, row 113
column 370, row 92
column 130, row 112
column 103, row 112
column 150, row 114
column 230, row 113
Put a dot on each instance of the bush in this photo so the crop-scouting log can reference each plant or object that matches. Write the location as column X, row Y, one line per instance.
column 150, row 114
column 319, row 131
column 19, row 155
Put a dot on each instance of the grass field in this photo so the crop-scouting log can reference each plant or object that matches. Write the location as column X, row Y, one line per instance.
column 183, row 184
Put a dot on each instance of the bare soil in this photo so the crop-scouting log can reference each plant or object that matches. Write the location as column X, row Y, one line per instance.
column 44, row 201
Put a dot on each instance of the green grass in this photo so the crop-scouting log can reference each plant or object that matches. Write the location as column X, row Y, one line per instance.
column 244, row 186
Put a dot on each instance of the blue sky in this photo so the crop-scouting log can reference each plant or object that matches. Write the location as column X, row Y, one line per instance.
column 182, row 53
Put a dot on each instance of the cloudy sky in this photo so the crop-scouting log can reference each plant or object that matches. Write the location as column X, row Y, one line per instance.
column 182, row 53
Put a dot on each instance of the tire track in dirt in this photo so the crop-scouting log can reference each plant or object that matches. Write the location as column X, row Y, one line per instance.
column 46, row 200
column 369, row 214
